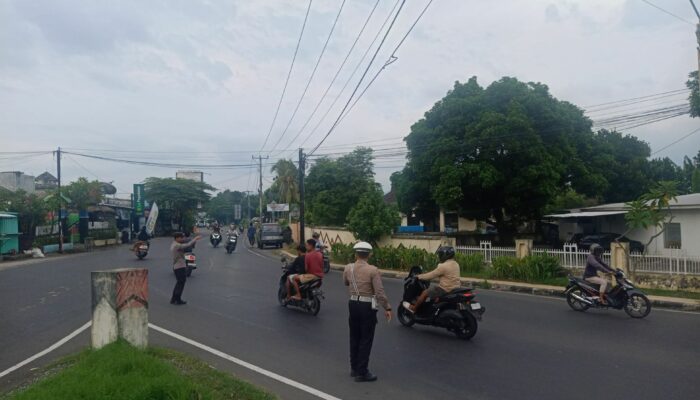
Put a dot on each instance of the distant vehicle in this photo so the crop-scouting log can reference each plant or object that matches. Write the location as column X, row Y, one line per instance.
column 270, row 235
column 606, row 239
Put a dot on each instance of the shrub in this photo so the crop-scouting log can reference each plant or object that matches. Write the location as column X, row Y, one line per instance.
column 535, row 268
column 470, row 263
column 342, row 253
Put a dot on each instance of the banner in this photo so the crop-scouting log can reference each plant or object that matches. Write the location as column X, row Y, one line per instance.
column 274, row 207
column 139, row 198
column 236, row 211
column 152, row 217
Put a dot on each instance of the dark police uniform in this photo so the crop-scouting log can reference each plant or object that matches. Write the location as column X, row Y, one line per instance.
column 365, row 287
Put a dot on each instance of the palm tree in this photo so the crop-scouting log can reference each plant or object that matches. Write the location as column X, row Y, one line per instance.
column 286, row 181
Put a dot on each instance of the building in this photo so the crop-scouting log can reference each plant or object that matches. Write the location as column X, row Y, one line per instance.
column 197, row 176
column 45, row 181
column 680, row 235
column 16, row 180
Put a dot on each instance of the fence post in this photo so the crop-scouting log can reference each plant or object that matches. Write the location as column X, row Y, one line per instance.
column 120, row 306
column 618, row 256
column 523, row 247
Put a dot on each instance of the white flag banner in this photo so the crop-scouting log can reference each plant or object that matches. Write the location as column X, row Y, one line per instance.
column 152, row 217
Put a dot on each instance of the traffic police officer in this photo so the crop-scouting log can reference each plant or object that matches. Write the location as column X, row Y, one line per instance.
column 366, row 292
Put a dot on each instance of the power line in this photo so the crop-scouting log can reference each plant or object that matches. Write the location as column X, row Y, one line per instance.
column 364, row 74
column 164, row 165
column 636, row 98
column 676, row 141
column 311, row 78
column 392, row 58
column 289, row 74
column 668, row 12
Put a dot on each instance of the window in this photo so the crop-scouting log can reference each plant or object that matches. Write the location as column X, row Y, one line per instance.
column 672, row 235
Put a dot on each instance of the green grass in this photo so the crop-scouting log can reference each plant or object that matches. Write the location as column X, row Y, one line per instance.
column 119, row 371
column 672, row 293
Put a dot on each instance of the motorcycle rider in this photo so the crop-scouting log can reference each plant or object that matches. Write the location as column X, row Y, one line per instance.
column 595, row 264
column 141, row 238
column 297, row 268
column 320, row 246
column 448, row 272
column 313, row 264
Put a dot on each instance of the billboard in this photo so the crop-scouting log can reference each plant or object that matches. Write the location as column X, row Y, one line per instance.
column 197, row 176
column 275, row 207
column 152, row 217
column 139, row 198
column 236, row 211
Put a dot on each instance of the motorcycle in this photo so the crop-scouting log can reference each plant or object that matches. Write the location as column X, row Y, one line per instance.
column 311, row 293
column 326, row 261
column 190, row 262
column 457, row 311
column 582, row 295
column 142, row 250
column 215, row 239
column 231, row 243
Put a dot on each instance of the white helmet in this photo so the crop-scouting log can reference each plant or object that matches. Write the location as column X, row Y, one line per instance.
column 362, row 247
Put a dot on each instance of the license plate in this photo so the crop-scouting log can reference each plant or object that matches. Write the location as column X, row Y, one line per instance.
column 143, row 247
column 476, row 306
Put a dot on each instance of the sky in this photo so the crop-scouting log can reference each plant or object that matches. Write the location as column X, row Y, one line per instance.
column 199, row 81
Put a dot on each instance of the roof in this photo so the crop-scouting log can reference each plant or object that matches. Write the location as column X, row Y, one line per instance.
column 690, row 201
column 585, row 214
column 5, row 215
column 46, row 176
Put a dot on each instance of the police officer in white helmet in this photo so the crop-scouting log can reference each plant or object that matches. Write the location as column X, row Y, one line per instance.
column 366, row 293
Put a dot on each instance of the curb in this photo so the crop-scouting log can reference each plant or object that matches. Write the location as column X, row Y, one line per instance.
column 537, row 290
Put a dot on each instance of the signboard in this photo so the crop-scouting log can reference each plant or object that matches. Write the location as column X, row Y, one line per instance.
column 274, row 207
column 139, row 198
column 197, row 176
column 236, row 211
column 152, row 217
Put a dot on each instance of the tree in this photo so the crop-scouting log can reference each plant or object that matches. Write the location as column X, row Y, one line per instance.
column 504, row 152
column 333, row 187
column 286, row 181
column 664, row 169
column 31, row 210
column 180, row 196
column 83, row 193
column 694, row 97
column 695, row 182
column 371, row 218
column 221, row 206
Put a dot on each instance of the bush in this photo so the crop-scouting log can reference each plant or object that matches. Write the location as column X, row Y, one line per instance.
column 342, row 253
column 470, row 263
column 102, row 234
column 535, row 268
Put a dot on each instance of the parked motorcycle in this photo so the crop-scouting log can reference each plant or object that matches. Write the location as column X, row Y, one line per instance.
column 231, row 243
column 142, row 250
column 326, row 261
column 190, row 262
column 215, row 239
column 458, row 311
column 582, row 295
column 311, row 293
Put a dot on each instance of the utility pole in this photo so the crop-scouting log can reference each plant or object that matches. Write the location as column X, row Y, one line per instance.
column 302, row 166
column 60, row 200
column 260, row 192
column 247, row 212
column 697, row 33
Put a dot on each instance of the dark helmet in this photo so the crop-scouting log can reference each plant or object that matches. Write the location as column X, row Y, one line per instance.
column 596, row 249
column 445, row 253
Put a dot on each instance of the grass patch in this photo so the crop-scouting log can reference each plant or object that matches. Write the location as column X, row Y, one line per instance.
column 119, row 371
column 672, row 293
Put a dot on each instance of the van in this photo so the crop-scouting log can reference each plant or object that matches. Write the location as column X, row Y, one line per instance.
column 270, row 235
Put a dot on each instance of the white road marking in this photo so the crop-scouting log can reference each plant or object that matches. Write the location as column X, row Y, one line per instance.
column 247, row 365
column 47, row 350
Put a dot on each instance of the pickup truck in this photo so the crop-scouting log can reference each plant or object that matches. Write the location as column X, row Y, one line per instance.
column 269, row 235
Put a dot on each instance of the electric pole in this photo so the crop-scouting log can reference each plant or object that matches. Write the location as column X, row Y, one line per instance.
column 260, row 191
column 247, row 212
column 302, row 166
column 60, row 200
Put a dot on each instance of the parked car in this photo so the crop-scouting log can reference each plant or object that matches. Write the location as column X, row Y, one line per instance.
column 269, row 235
column 606, row 239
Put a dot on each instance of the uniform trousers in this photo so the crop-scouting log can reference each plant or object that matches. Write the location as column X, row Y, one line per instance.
column 181, row 276
column 363, row 320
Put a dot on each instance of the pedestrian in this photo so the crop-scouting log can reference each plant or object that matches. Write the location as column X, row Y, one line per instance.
column 366, row 290
column 177, row 249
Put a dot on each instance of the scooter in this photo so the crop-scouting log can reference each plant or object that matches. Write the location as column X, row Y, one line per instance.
column 142, row 250
column 457, row 311
column 311, row 293
column 215, row 239
column 231, row 243
column 582, row 295
column 190, row 262
column 326, row 261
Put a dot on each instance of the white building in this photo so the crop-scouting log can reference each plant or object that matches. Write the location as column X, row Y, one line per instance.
column 16, row 180
column 680, row 237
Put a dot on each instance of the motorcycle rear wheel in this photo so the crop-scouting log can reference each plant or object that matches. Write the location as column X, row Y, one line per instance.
column 463, row 325
column 405, row 317
column 637, row 305
column 140, row 256
column 281, row 297
column 315, row 306
column 575, row 304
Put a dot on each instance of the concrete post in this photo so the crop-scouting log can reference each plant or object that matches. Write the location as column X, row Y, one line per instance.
column 618, row 256
column 120, row 307
column 523, row 248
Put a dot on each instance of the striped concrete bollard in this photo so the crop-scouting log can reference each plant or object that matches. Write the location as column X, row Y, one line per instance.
column 120, row 307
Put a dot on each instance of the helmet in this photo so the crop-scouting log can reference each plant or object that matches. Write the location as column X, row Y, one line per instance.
column 316, row 235
column 445, row 253
column 362, row 247
column 596, row 249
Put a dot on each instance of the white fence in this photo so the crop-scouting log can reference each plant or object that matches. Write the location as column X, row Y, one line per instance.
column 572, row 257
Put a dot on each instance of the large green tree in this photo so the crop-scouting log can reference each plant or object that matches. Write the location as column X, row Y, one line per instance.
column 83, row 193
column 286, row 185
column 31, row 210
column 333, row 187
column 181, row 197
column 371, row 218
column 221, row 206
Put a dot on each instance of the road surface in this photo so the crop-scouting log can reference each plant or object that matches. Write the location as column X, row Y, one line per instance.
column 527, row 347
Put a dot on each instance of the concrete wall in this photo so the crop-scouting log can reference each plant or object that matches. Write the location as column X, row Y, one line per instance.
column 15, row 180
column 331, row 235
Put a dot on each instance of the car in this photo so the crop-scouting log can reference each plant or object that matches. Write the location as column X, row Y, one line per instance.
column 269, row 234
column 606, row 239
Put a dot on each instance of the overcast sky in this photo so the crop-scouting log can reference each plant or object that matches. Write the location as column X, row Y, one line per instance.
column 191, row 80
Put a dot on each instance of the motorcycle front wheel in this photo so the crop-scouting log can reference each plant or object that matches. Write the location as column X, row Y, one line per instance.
column 405, row 317
column 575, row 304
column 637, row 305
column 326, row 267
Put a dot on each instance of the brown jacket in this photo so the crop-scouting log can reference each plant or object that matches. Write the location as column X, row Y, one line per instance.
column 369, row 282
column 448, row 272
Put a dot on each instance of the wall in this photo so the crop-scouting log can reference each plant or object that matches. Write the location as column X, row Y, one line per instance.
column 15, row 180
column 331, row 235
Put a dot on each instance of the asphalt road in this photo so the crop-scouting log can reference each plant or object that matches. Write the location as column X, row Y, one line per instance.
column 527, row 346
